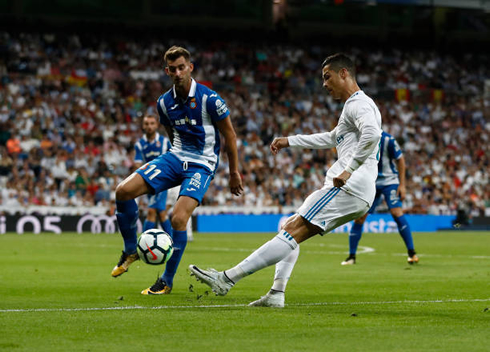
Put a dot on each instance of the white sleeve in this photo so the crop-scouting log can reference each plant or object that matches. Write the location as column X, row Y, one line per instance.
column 364, row 117
column 325, row 140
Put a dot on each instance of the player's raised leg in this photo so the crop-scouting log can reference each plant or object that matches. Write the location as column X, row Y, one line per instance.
column 127, row 217
column 296, row 230
column 321, row 212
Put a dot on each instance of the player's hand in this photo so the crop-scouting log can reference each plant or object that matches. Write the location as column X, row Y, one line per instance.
column 279, row 143
column 341, row 179
column 401, row 192
column 236, row 187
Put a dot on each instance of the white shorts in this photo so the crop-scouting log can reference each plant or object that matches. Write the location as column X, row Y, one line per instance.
column 329, row 208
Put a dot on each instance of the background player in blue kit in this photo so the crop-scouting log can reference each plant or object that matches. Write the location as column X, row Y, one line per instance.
column 390, row 184
column 194, row 116
column 149, row 147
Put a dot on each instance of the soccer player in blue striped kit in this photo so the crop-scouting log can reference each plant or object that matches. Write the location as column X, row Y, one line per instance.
column 390, row 184
column 194, row 116
column 149, row 147
column 347, row 194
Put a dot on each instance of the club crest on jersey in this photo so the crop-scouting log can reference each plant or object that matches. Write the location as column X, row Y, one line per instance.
column 193, row 103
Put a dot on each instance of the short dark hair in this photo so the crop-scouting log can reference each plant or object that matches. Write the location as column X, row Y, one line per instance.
column 339, row 61
column 175, row 52
column 151, row 116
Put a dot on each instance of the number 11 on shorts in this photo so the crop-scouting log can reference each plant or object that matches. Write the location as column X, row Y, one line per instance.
column 155, row 172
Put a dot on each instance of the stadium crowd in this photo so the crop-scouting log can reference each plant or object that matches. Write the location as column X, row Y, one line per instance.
column 71, row 110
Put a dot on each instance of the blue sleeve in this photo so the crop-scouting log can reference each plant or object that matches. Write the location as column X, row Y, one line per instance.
column 394, row 150
column 216, row 107
column 163, row 117
column 138, row 157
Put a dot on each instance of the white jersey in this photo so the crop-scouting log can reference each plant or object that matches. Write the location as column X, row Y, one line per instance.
column 356, row 138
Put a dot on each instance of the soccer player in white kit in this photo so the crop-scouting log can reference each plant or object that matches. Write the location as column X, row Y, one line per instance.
column 348, row 191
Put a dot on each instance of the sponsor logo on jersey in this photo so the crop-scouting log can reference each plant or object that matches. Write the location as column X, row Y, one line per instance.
column 221, row 107
column 340, row 139
column 148, row 155
column 186, row 120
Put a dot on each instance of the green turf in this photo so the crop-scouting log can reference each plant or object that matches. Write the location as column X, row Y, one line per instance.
column 380, row 304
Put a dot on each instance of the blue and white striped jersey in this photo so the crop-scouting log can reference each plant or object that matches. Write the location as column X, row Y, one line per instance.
column 147, row 151
column 196, row 138
column 389, row 152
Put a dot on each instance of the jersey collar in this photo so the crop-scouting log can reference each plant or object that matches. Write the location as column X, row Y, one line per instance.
column 355, row 94
column 192, row 91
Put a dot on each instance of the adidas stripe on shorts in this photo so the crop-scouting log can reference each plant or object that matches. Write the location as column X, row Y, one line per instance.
column 331, row 207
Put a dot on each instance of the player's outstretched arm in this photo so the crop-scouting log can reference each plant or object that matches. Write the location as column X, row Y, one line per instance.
column 279, row 143
column 226, row 129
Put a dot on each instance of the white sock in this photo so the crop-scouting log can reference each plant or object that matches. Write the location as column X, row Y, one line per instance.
column 283, row 271
column 270, row 253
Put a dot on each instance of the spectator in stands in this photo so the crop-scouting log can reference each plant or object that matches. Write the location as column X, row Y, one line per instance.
column 274, row 94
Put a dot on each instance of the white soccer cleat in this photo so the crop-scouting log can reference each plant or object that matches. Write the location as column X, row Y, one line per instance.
column 214, row 279
column 275, row 300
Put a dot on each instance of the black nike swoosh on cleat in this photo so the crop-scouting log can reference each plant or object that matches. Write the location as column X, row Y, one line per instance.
column 197, row 269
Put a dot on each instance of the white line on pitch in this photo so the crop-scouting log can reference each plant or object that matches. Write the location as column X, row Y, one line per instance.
column 240, row 305
column 363, row 250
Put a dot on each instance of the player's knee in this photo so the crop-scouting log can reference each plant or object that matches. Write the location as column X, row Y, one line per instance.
column 396, row 212
column 179, row 221
column 122, row 192
column 361, row 220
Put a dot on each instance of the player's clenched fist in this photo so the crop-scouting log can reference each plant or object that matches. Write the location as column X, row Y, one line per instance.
column 278, row 144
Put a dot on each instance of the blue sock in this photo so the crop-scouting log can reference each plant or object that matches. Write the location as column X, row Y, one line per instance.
column 404, row 229
column 148, row 225
column 354, row 238
column 167, row 227
column 127, row 216
column 180, row 241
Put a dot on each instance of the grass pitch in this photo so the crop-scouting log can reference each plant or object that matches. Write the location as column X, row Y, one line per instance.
column 56, row 294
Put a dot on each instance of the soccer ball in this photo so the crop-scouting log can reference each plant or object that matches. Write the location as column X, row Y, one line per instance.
column 155, row 247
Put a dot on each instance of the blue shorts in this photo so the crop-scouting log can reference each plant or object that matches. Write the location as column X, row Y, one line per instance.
column 158, row 201
column 168, row 171
column 391, row 198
